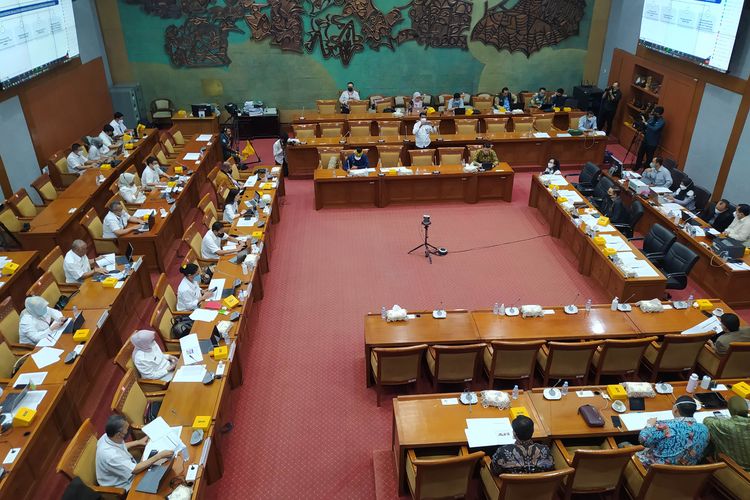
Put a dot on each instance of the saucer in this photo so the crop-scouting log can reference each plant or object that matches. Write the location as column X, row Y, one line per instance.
column 512, row 311
column 552, row 393
column 571, row 309
column 439, row 314
column 468, row 398
column 619, row 406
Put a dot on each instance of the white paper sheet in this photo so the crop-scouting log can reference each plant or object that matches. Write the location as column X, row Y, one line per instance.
column 739, row 266
column 616, row 242
column 156, row 428
column 32, row 399
column 627, row 257
column 192, row 373
column 51, row 340
column 168, row 441
column 242, row 222
column 191, row 156
column 107, row 261
column 203, row 138
column 637, row 421
column 541, row 135
column 449, row 401
column 191, row 349
column 711, row 324
column 206, row 315
column 11, row 456
column 644, row 270
column 701, row 415
column 557, row 179
column 46, row 356
column 143, row 212
column 36, row 377
column 661, row 190
column 585, row 394
column 488, row 432
column 219, row 284
column 251, row 181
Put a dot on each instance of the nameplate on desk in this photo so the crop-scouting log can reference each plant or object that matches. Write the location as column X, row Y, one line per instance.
column 137, row 264
column 11, row 456
column 249, row 289
column 171, row 208
column 102, row 319
column 204, row 454
column 232, row 348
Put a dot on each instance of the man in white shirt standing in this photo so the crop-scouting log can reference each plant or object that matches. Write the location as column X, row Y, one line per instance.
column 77, row 163
column 422, row 130
column 115, row 466
column 348, row 95
column 118, row 124
column 279, row 151
column 739, row 229
column 77, row 265
column 116, row 222
column 212, row 240
column 152, row 173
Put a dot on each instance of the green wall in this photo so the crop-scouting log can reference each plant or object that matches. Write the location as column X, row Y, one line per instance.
column 289, row 80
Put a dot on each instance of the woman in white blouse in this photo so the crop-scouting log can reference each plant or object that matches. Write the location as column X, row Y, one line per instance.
column 38, row 321
column 189, row 293
column 149, row 359
column 129, row 190
column 231, row 210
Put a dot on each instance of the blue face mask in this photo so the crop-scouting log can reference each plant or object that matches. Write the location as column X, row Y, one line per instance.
column 197, row 278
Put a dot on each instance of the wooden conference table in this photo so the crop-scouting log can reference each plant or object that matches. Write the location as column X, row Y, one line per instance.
column 15, row 285
column 591, row 259
column 334, row 188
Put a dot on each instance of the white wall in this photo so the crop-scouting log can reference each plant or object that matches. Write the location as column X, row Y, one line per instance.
column 622, row 32
column 737, row 189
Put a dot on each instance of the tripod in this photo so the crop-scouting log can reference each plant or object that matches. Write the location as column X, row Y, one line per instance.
column 635, row 141
column 429, row 250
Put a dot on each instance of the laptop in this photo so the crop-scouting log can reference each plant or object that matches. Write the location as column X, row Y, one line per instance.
column 148, row 225
column 121, row 260
column 75, row 324
column 13, row 401
column 213, row 341
column 230, row 291
column 239, row 258
column 486, row 166
column 459, row 111
column 151, row 481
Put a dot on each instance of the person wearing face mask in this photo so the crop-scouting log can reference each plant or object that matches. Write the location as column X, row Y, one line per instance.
column 231, row 211
column 356, row 160
column 652, row 129
column 739, row 229
column 189, row 292
column 212, row 240
column 486, row 155
column 152, row 173
column 539, row 99
column 718, row 215
column 614, row 208
column 149, row 359
column 506, row 99
column 118, row 124
column 77, row 163
column 98, row 152
column 38, row 321
column 116, row 222
column 553, row 167
column 657, row 174
column 588, row 121
column 107, row 135
column 422, row 130
column 417, row 103
column 128, row 189
column 558, row 100
column 684, row 195
column 348, row 95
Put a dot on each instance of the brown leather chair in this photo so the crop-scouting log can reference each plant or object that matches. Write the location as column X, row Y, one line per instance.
column 536, row 486
column 130, row 401
column 675, row 353
column 325, row 155
column 450, row 156
column 388, row 128
column 523, row 124
column 619, row 357
column 396, row 365
column 79, row 460
column 735, row 364
column 511, row 361
column 453, row 364
column 466, row 126
column 331, row 129
column 193, row 239
column 359, row 128
column 598, row 468
column 389, row 156
column 93, row 226
column 326, row 106
column 543, row 122
column 440, row 476
column 422, row 157
column 358, row 107
column 161, row 321
column 566, row 360
column 482, row 102
column 10, row 220
column 45, row 189
column 22, row 205
column 9, row 320
column 53, row 263
column 46, row 287
column 124, row 361
column 179, row 138
column 496, row 125
column 58, row 168
column 732, row 480
column 305, row 130
column 674, row 482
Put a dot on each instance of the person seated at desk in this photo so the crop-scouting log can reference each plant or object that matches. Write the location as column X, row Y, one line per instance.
column 739, row 229
column 189, row 292
column 98, row 152
column 417, row 103
column 524, row 456
column 679, row 441
column 553, row 167
column 115, row 223
column 152, row 172
column 558, row 100
column 732, row 333
column 422, row 130
column 148, row 357
column 506, row 99
column 77, row 265
column 77, row 163
column 615, row 209
column 211, row 243
column 38, row 321
column 731, row 436
column 118, row 125
column 348, row 95
column 657, row 174
column 107, row 135
column 115, row 466
column 718, row 215
column 128, row 189
column 231, row 210
column 226, row 172
column 587, row 122
column 356, row 160
column 684, row 195
column 456, row 102
column 486, row 155
column 539, row 99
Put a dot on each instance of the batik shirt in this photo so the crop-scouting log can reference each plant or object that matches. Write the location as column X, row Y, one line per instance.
column 523, row 457
column 681, row 441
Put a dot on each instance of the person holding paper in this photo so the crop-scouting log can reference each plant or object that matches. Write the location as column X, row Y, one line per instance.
column 422, row 130
column 148, row 357
column 684, row 195
column 116, row 222
column 38, row 321
column 356, row 160
column 718, row 215
column 680, row 441
column 77, row 265
column 211, row 243
column 115, row 465
column 732, row 333
column 152, row 172
column 731, row 436
column 739, row 229
column 525, row 456
column 657, row 174
column 189, row 292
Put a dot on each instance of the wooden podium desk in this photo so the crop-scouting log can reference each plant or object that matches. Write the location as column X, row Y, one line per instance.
column 591, row 260
column 194, row 125
column 15, row 285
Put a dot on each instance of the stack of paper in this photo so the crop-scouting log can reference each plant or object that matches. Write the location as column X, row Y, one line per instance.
column 571, row 195
column 4, row 260
column 557, row 179
column 642, row 269
column 203, row 138
column 250, row 182
column 46, row 356
column 162, row 437
column 206, row 315
column 191, row 349
column 541, row 135
column 242, row 222
column 192, row 373
column 191, row 156
column 616, row 242
column 482, row 432
column 637, row 421
column 107, row 261
column 711, row 324
column 30, row 400
column 661, row 190
column 144, row 212
column 37, row 378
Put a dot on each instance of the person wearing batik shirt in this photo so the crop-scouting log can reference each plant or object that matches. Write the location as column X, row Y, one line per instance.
column 524, row 456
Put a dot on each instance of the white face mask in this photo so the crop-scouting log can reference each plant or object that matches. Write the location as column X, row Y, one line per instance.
column 682, row 186
column 423, row 119
column 653, row 165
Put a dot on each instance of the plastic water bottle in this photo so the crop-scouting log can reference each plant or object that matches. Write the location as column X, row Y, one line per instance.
column 615, row 303
column 690, row 300
column 705, row 382
column 226, row 338
column 383, row 312
column 75, row 311
column 588, row 305
column 501, row 311
column 245, row 270
column 564, row 389
column 496, row 309
column 692, row 383
column 515, row 392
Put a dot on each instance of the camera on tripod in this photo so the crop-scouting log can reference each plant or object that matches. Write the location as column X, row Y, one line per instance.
column 426, row 220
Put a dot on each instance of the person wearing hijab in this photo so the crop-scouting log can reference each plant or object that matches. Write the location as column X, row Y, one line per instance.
column 231, row 210
column 731, row 436
column 684, row 195
column 129, row 190
column 189, row 293
column 417, row 104
column 149, row 359
column 38, row 321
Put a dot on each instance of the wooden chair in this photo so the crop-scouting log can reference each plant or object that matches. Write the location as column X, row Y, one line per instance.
column 305, row 130
column 389, row 156
column 453, row 364
column 734, row 364
column 45, row 189
column 674, row 482
column 675, row 353
column 566, row 360
column 193, row 239
column 450, row 156
column 22, row 205
column 206, row 206
column 58, row 165
column 440, row 476
column 388, row 128
column 9, row 320
column 331, row 129
column 472, row 150
column 496, row 124
column 168, row 134
column 526, row 97
column 190, row 258
column 511, row 361
column 359, row 128
column 179, row 138
column 523, row 124
column 325, row 155
column 402, row 101
column 124, row 361
column 396, row 365
column 326, row 106
column 467, row 126
column 93, row 226
column 383, row 104
column 79, row 460
column 536, row 486
column 732, row 480
column 130, row 401
column 164, row 290
column 161, row 321
column 543, row 122
column 10, row 220
column 169, row 147
column 443, row 101
column 597, row 468
column 619, row 357
column 160, row 155
column 45, row 287
column 52, row 263
column 482, row 102
column 358, row 107
column 422, row 157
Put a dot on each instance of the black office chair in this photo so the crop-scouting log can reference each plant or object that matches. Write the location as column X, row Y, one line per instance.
column 657, row 243
column 587, row 178
column 571, row 102
column 702, row 198
column 678, row 262
column 600, row 195
column 636, row 212
column 677, row 177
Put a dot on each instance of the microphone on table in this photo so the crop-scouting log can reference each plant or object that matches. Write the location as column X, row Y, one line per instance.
column 628, row 299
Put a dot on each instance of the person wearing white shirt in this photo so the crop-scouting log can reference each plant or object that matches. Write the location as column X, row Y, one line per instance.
column 118, row 124
column 211, row 243
column 115, row 465
column 77, row 265
column 107, row 135
column 739, row 229
column 553, row 167
column 128, row 189
column 115, row 223
column 189, row 292
column 231, row 210
column 657, row 174
column 152, row 172
column 348, row 95
column 417, row 103
column 588, row 121
column 149, row 359
column 38, row 321
column 77, row 163
column 422, row 130
column 98, row 151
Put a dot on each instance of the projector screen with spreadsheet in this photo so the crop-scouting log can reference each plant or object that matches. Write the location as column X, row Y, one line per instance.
column 700, row 31
column 35, row 35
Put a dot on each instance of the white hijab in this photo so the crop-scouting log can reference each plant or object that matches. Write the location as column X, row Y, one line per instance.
column 36, row 306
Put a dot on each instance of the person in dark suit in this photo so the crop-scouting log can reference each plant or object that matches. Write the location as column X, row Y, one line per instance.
column 719, row 215
column 608, row 109
column 558, row 100
column 615, row 209
column 356, row 160
column 652, row 129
